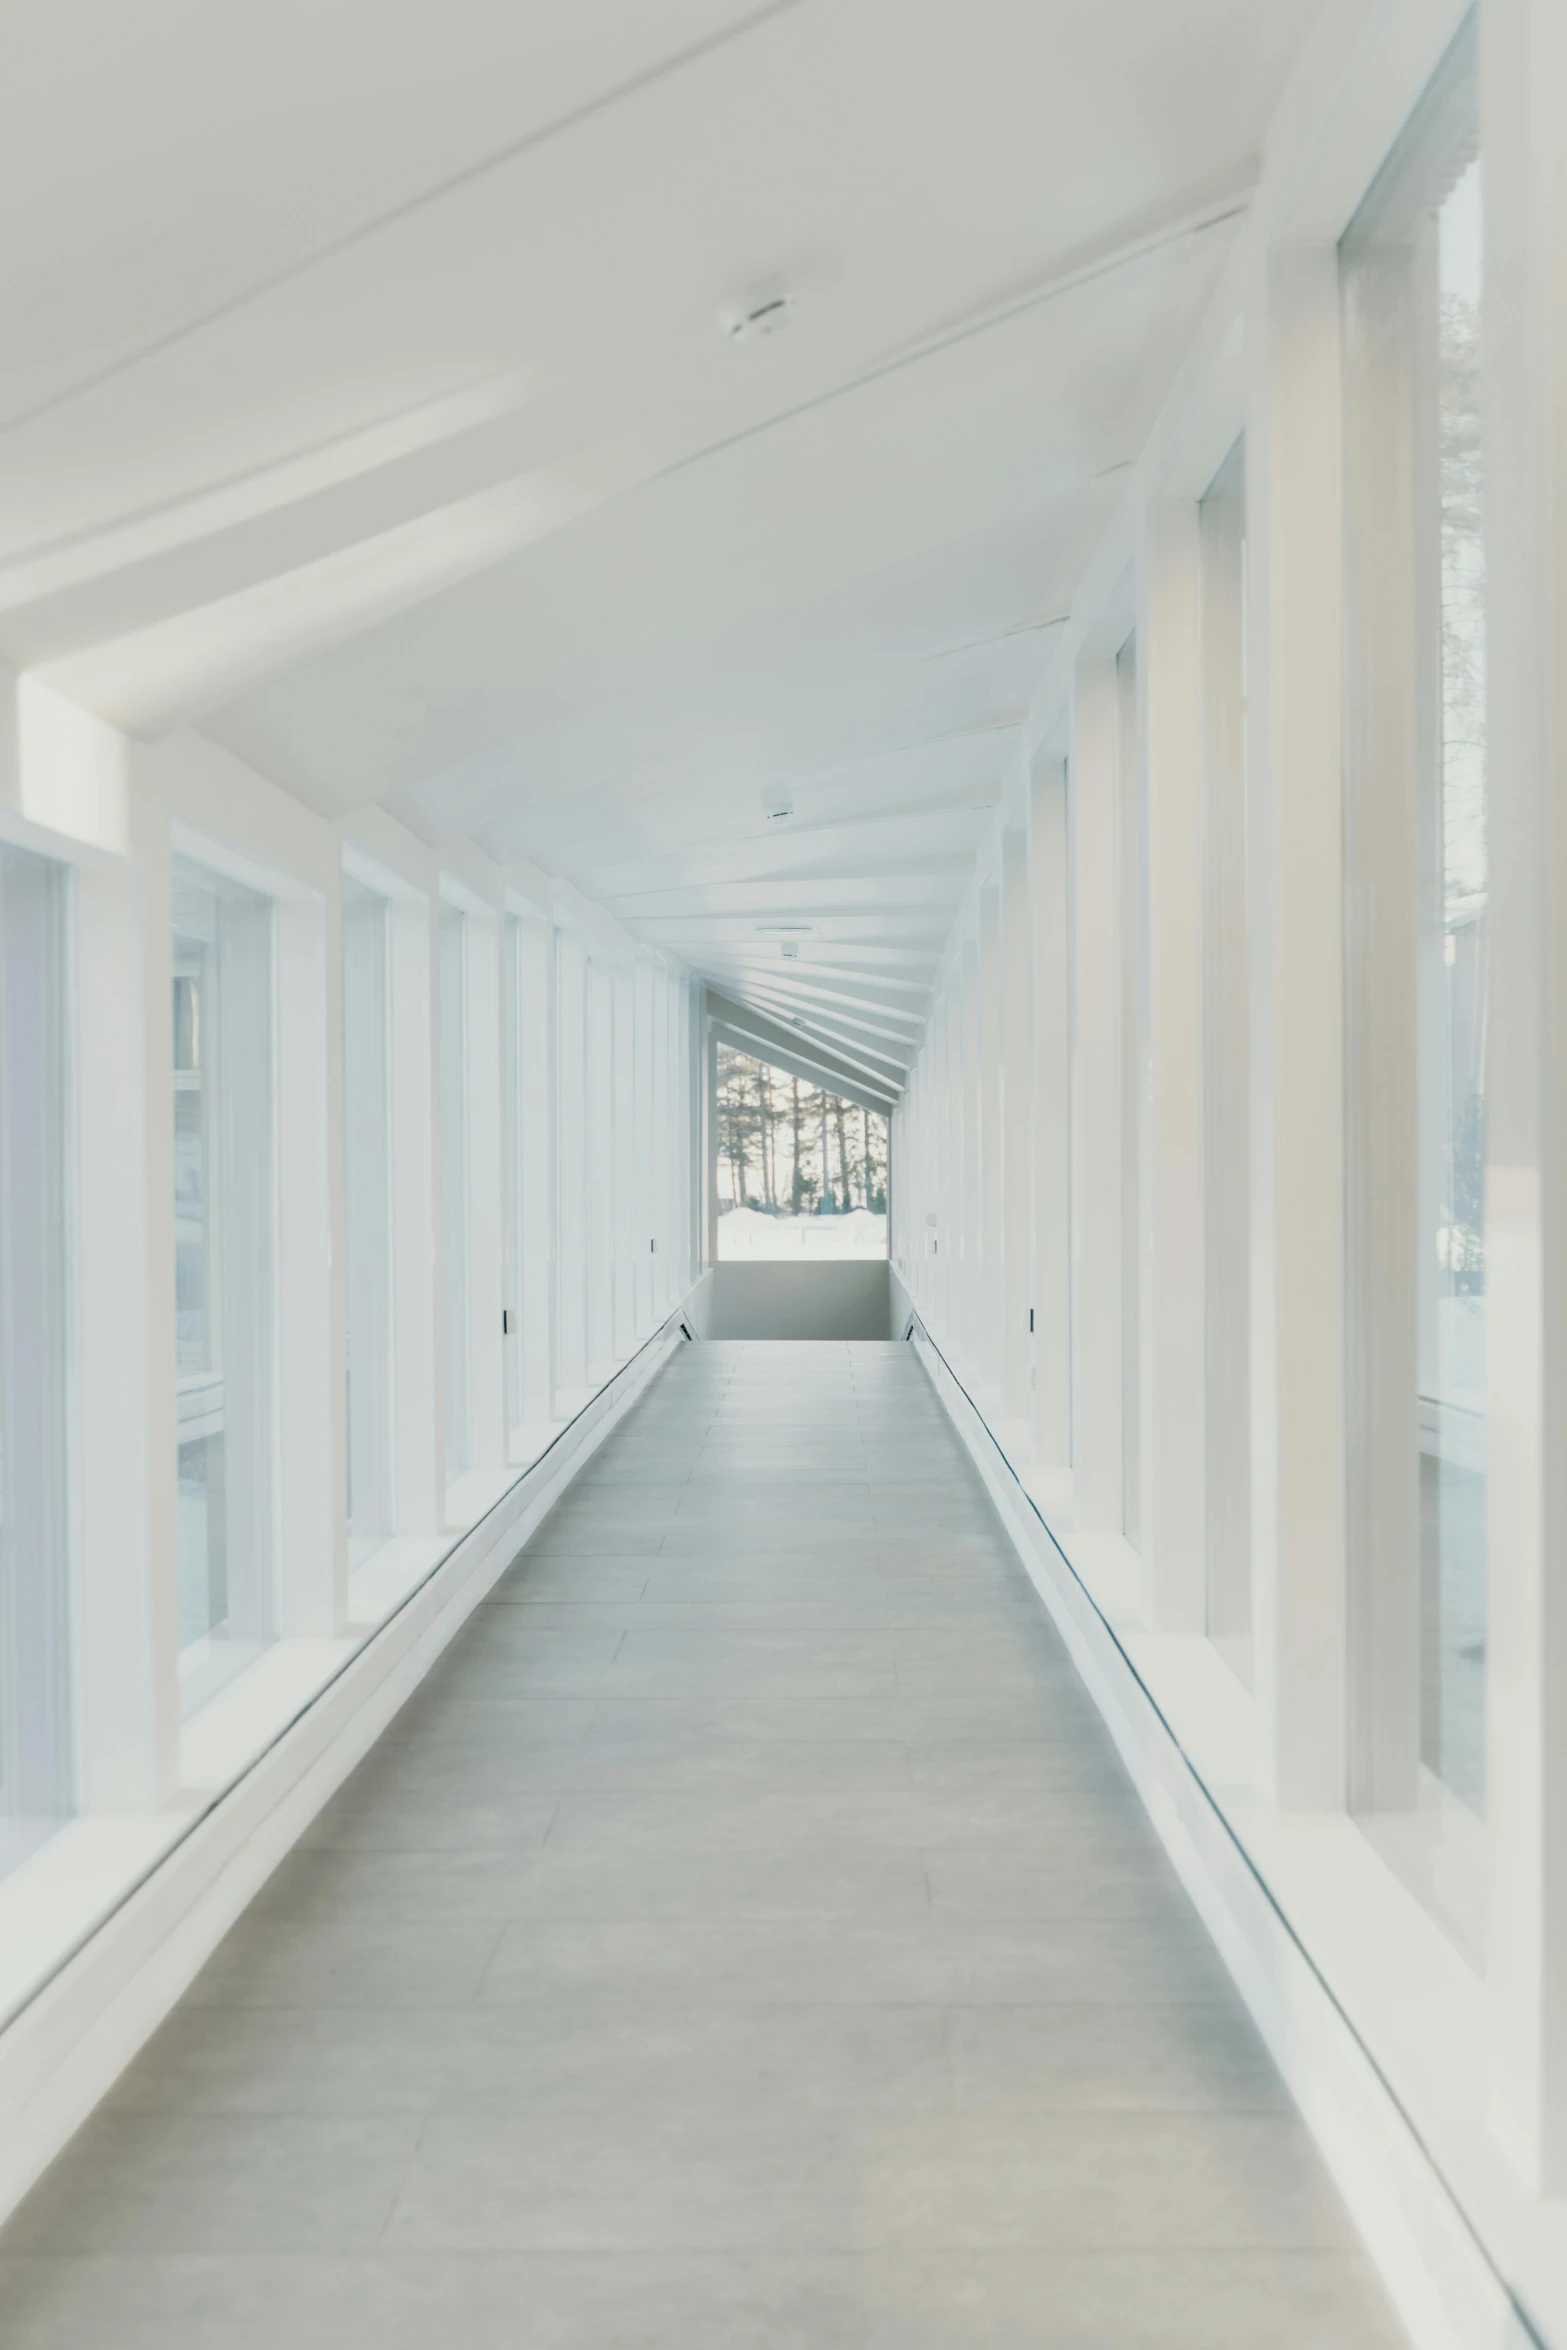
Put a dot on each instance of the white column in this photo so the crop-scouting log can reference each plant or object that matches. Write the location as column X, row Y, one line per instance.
column 949, row 1262
column 968, row 1270
column 535, row 1016
column 688, row 1133
column 1096, row 1103
column 664, row 1139
column 312, row 1563
column 1295, row 857
column 486, row 1180
column 152, row 848
column 624, row 1156
column 1016, row 1131
column 991, row 1268
column 418, row 1470
column 600, row 1167
column 571, row 1234
column 1174, row 1540
column 1051, row 1115
column 1522, row 77
column 642, row 1170
column 126, row 1631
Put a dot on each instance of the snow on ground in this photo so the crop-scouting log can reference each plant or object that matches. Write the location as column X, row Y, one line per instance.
column 746, row 1232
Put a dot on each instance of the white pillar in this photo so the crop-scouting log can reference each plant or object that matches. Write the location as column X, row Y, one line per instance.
column 627, row 1260
column 1051, row 1107
column 1522, row 77
column 1096, row 1103
column 642, row 1169
column 600, row 1168
column 1170, row 673
column 312, row 1563
column 968, row 1271
column 535, row 1016
column 571, row 1232
column 418, row 1466
column 991, row 1270
column 486, row 1171
column 1016, row 1130
column 127, row 1631
column 1295, row 856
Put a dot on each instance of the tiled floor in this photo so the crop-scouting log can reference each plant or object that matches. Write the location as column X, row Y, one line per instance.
column 745, row 1938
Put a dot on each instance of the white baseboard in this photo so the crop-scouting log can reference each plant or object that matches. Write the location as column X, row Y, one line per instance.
column 70, row 2043
column 1445, row 2288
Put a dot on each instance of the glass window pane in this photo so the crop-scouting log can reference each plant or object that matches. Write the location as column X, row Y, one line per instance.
column 1417, row 833
column 367, row 1189
column 224, row 1195
column 1226, row 1075
column 802, row 1173
column 35, row 1688
column 513, row 1308
column 1134, row 1042
column 454, row 1185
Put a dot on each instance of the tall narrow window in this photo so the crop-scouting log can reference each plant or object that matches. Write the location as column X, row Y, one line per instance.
column 599, row 1117
column 515, row 1190
column 367, row 1186
column 223, row 1272
column 1134, row 1032
column 1417, row 832
column 1226, row 1106
column 454, row 1186
column 35, row 1682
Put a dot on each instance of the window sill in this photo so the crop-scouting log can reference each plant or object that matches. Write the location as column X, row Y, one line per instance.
column 472, row 1496
column 55, row 1900
column 225, row 1738
column 1412, row 1999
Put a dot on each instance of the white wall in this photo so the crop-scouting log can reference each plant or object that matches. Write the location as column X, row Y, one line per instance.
column 1468, row 2048
column 541, row 1109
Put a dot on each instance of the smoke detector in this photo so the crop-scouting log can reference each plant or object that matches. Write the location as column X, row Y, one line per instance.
column 790, row 950
column 765, row 310
column 777, row 807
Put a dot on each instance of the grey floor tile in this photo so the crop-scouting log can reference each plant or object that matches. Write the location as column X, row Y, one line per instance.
column 275, row 1959
column 1209, row 2300
column 195, row 2182
column 745, row 1936
column 329, row 2060
column 657, row 2301
column 1124, row 2056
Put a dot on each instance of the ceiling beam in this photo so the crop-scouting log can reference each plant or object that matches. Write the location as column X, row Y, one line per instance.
column 750, row 1031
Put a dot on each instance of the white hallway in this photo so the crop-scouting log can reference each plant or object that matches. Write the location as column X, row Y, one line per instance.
column 1008, row 563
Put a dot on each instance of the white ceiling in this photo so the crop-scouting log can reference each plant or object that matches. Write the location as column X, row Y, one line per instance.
column 364, row 402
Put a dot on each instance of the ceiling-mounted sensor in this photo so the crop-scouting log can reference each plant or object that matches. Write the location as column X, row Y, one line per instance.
column 777, row 807
column 764, row 310
column 790, row 950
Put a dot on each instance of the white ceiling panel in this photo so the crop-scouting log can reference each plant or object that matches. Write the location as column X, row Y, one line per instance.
column 366, row 401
